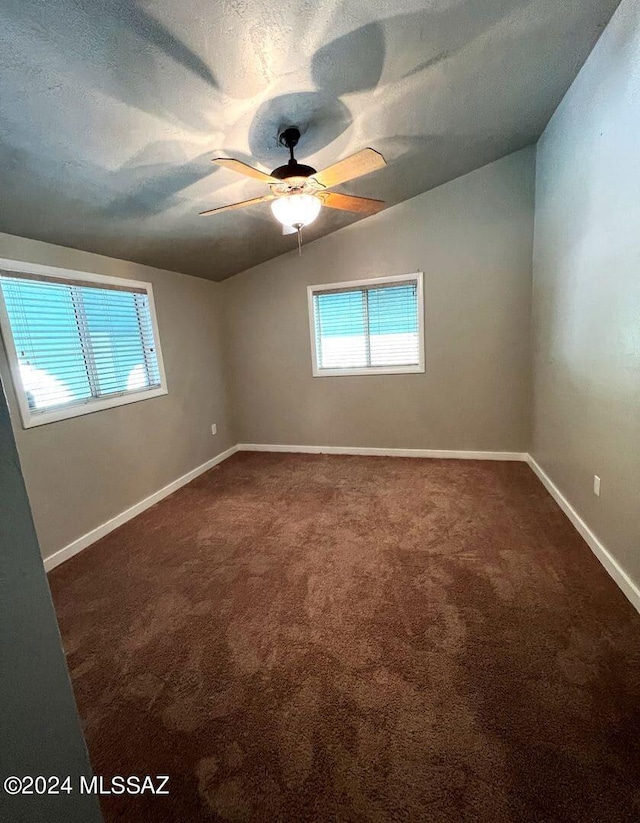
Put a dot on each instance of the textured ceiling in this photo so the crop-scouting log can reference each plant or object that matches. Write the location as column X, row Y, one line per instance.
column 111, row 111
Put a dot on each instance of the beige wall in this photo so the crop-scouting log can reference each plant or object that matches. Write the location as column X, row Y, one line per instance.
column 83, row 471
column 473, row 240
column 586, row 299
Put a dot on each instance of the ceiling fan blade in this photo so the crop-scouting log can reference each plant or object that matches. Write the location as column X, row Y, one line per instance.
column 363, row 162
column 347, row 202
column 243, row 168
column 241, row 205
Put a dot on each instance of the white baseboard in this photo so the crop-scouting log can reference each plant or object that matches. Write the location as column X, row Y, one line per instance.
column 362, row 450
column 629, row 588
column 619, row 575
column 100, row 531
column 87, row 539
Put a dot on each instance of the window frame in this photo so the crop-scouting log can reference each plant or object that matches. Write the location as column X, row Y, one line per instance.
column 31, row 419
column 354, row 285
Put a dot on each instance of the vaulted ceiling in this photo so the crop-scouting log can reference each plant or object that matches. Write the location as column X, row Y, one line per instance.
column 112, row 111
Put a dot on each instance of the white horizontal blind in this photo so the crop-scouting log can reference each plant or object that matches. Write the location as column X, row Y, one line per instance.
column 367, row 327
column 79, row 343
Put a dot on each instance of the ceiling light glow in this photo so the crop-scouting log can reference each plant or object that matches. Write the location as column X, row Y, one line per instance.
column 297, row 210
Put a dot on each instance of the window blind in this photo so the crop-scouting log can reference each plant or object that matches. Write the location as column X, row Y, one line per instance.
column 367, row 327
column 79, row 343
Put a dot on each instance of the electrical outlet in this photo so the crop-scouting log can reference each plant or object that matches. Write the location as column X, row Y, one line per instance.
column 596, row 485
column 214, row 428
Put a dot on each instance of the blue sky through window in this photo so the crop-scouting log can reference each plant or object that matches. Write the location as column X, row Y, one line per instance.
column 367, row 327
column 47, row 341
column 75, row 343
column 392, row 310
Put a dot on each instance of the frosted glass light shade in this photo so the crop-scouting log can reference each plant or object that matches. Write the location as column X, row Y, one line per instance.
column 296, row 209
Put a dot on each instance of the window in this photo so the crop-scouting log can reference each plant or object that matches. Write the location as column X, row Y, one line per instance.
column 77, row 343
column 367, row 326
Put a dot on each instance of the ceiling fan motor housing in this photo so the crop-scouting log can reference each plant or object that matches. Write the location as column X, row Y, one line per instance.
column 293, row 169
column 289, row 138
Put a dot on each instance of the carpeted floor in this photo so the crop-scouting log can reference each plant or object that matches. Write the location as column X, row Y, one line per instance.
column 324, row 638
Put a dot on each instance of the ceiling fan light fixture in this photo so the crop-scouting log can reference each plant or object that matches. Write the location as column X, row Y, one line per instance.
column 297, row 210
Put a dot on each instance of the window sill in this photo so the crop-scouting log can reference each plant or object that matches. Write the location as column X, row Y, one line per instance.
column 368, row 371
column 30, row 420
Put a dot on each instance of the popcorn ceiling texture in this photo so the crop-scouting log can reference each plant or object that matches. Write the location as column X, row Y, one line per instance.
column 112, row 111
column 329, row 638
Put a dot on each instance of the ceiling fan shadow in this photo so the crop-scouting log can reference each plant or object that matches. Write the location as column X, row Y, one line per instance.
column 122, row 62
column 351, row 63
column 320, row 117
column 150, row 182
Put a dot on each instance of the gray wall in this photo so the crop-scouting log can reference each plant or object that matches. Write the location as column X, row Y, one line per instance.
column 39, row 729
column 586, row 297
column 473, row 240
column 83, row 471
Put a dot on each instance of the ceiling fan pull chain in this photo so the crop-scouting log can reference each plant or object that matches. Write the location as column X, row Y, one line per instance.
column 299, row 241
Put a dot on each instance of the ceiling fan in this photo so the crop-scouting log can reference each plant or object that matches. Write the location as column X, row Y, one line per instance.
column 298, row 192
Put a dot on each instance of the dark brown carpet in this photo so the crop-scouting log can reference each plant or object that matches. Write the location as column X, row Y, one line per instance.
column 322, row 638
